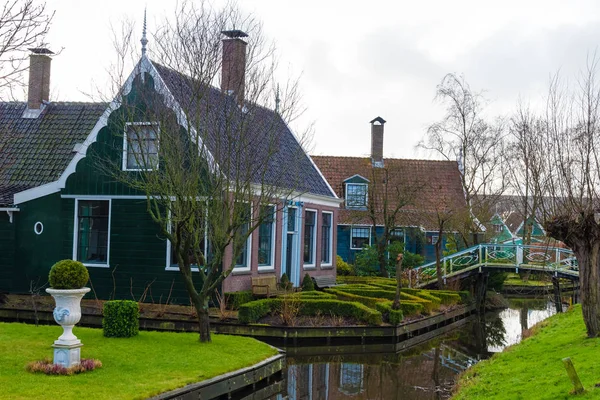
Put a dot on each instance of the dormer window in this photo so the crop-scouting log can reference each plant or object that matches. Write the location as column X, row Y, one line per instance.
column 140, row 146
column 356, row 195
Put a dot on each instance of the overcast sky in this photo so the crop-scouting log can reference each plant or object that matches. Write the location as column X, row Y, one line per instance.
column 362, row 59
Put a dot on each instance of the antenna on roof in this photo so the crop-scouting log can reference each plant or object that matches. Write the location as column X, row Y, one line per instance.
column 144, row 41
column 277, row 99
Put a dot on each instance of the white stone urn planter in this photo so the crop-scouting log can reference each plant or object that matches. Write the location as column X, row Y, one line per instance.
column 67, row 313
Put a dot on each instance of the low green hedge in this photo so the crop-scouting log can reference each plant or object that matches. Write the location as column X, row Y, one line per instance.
column 435, row 301
column 369, row 292
column 446, row 297
column 121, row 318
column 406, row 308
column 392, row 316
column 370, row 302
column 313, row 294
column 253, row 311
column 236, row 299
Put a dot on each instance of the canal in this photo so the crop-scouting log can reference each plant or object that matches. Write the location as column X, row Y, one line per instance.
column 427, row 371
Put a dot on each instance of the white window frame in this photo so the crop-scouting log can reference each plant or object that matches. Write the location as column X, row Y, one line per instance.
column 273, row 239
column 248, row 266
column 434, row 239
column 366, row 195
column 125, row 145
column 175, row 267
column 330, row 263
column 312, row 265
column 351, row 236
column 76, row 230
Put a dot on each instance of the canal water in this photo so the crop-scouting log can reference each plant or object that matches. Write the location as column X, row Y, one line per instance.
column 425, row 372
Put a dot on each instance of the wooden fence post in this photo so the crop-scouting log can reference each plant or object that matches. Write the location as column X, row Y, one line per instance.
column 577, row 386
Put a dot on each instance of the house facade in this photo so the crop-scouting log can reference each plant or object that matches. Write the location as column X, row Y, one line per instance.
column 56, row 202
column 423, row 191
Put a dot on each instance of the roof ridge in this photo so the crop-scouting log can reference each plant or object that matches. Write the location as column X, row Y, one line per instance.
column 385, row 158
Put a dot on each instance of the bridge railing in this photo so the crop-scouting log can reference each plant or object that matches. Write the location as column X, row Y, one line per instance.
column 513, row 255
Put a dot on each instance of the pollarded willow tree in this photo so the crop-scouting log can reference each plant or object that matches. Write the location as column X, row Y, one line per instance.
column 206, row 159
column 464, row 135
column 571, row 176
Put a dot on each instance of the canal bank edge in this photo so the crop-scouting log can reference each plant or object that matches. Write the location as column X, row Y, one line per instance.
column 288, row 336
column 264, row 377
column 536, row 362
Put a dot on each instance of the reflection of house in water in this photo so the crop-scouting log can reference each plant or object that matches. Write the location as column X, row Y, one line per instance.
column 378, row 376
column 308, row 382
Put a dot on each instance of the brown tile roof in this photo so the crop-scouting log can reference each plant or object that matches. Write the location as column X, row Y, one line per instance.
column 427, row 186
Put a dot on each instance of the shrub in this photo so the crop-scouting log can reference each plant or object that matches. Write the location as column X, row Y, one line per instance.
column 406, row 308
column 236, row 299
column 446, row 297
column 314, row 294
column 343, row 268
column 394, row 317
column 255, row 310
column 285, row 283
column 307, row 284
column 121, row 318
column 370, row 302
column 68, row 274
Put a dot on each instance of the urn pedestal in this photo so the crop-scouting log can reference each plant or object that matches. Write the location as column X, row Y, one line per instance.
column 67, row 313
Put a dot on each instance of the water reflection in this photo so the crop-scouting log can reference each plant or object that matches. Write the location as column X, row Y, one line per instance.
column 426, row 372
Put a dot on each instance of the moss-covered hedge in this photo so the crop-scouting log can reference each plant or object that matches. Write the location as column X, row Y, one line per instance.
column 370, row 302
column 313, row 294
column 406, row 308
column 390, row 315
column 253, row 311
column 446, row 297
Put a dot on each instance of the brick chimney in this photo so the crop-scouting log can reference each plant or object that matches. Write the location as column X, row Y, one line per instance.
column 233, row 69
column 377, row 142
column 39, row 77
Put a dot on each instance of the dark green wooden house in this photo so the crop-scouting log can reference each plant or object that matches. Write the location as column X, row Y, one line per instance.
column 56, row 203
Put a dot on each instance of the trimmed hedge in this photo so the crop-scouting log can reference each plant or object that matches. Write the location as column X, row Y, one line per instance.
column 446, row 297
column 406, row 307
column 307, row 283
column 436, row 301
column 370, row 302
column 255, row 310
column 68, row 274
column 313, row 294
column 121, row 318
column 394, row 317
column 236, row 299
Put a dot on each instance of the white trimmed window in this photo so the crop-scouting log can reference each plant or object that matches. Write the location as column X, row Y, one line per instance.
column 310, row 238
column 266, row 239
column 140, row 146
column 203, row 246
column 360, row 237
column 356, row 195
column 326, row 238
column 91, row 237
column 242, row 262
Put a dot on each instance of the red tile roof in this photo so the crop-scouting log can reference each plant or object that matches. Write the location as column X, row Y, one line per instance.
column 428, row 186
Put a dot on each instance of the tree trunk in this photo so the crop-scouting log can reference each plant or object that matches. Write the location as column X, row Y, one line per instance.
column 381, row 256
column 200, row 305
column 438, row 263
column 399, row 259
column 588, row 259
column 204, row 325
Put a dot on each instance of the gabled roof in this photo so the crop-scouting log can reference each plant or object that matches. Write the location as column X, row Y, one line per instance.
column 215, row 109
column 35, row 151
column 504, row 235
column 435, row 185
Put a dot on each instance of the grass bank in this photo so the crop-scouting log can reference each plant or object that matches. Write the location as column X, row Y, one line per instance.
column 533, row 369
column 134, row 368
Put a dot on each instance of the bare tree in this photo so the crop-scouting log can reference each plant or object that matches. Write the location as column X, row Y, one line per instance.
column 463, row 135
column 527, row 165
column 390, row 191
column 206, row 177
column 571, row 175
column 23, row 24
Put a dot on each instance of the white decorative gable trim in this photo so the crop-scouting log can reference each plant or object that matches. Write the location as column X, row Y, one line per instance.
column 143, row 66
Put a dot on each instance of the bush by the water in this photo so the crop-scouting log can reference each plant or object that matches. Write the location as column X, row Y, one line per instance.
column 68, row 274
column 121, row 318
column 307, row 284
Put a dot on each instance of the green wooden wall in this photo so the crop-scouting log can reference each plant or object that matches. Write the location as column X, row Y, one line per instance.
column 7, row 250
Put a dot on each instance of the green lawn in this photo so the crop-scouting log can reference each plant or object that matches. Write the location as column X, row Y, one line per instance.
column 533, row 369
column 135, row 368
